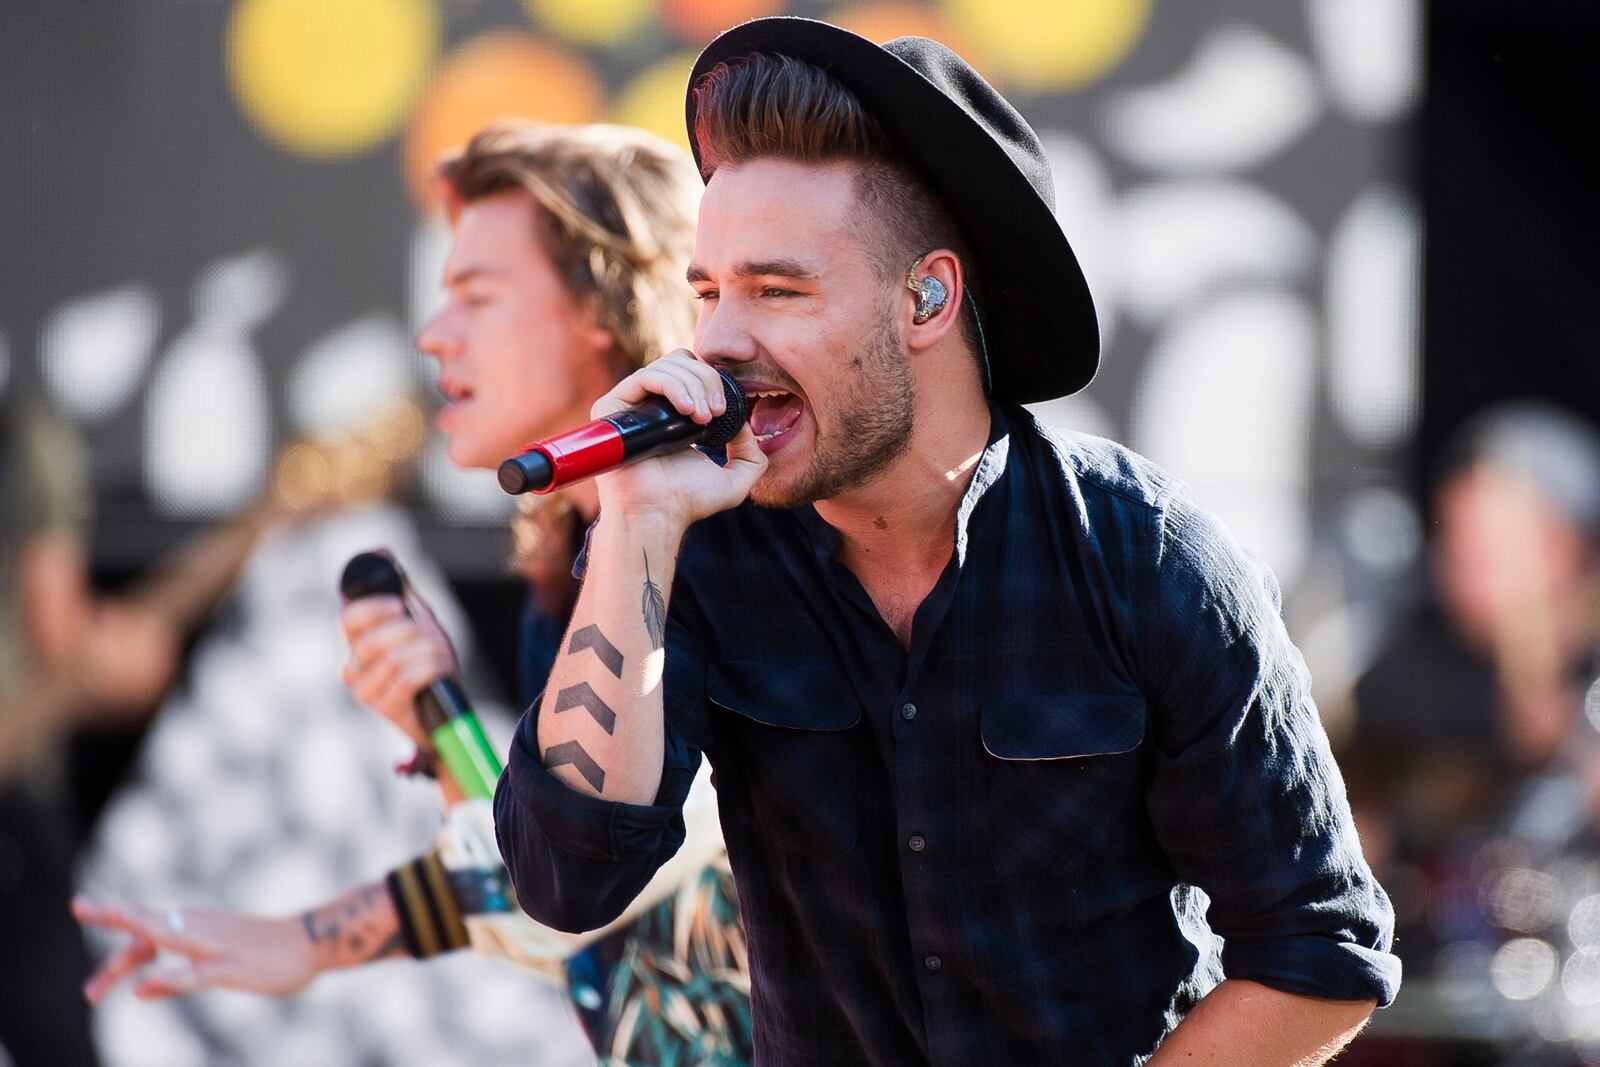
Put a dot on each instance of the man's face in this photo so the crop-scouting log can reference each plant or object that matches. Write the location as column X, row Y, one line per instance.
column 794, row 307
column 516, row 353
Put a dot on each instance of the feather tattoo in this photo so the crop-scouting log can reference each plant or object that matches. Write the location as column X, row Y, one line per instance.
column 655, row 609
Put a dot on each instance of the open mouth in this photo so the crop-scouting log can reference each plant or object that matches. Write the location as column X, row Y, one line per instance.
column 454, row 392
column 773, row 413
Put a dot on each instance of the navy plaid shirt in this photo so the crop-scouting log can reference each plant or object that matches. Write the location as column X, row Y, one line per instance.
column 1094, row 786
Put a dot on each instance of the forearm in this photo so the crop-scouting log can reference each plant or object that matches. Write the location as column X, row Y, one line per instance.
column 356, row 928
column 600, row 727
column 1242, row 1023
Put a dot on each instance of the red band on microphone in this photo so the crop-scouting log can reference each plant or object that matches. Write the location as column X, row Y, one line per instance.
column 581, row 452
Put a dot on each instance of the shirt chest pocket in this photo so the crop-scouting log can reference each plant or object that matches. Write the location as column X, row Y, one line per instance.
column 792, row 755
column 1065, row 775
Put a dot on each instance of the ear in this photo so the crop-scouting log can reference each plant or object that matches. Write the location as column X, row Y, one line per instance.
column 943, row 266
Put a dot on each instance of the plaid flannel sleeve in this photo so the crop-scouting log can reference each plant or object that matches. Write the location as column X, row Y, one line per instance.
column 1246, row 799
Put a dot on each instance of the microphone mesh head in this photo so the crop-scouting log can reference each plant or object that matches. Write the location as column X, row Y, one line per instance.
column 725, row 427
column 370, row 574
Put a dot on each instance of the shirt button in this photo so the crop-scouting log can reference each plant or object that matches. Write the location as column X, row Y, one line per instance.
column 917, row 843
column 933, row 963
column 908, row 712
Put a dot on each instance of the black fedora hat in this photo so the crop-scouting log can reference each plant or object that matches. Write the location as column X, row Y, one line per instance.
column 987, row 165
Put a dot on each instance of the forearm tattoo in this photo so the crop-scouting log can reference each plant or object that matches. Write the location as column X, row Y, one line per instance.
column 352, row 929
column 573, row 753
column 655, row 609
column 582, row 696
column 590, row 637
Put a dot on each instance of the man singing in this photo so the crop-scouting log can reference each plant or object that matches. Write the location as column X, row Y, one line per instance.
column 1015, row 759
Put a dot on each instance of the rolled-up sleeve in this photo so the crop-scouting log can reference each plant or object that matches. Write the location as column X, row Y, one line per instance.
column 576, row 860
column 1245, row 797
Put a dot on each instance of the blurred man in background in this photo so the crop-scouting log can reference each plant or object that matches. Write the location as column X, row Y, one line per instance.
column 1472, row 765
column 565, row 273
column 67, row 658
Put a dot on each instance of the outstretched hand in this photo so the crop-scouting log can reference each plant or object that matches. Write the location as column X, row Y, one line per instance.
column 185, row 950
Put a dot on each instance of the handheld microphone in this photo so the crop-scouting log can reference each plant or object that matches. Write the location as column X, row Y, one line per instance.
column 646, row 429
column 442, row 707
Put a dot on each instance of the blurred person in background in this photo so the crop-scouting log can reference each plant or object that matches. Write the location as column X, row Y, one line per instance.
column 68, row 658
column 1471, row 749
column 565, row 274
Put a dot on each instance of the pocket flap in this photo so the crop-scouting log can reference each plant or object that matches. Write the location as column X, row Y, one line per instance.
column 1062, row 725
column 798, row 698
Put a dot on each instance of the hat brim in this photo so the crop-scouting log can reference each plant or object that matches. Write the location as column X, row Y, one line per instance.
column 1034, row 305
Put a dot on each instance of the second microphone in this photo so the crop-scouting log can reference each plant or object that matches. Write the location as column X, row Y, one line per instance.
column 646, row 429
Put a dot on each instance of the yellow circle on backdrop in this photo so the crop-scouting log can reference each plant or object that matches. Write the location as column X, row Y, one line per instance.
column 653, row 100
column 494, row 76
column 329, row 78
column 1052, row 44
column 599, row 22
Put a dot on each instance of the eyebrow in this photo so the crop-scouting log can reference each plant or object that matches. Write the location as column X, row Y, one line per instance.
column 470, row 273
column 761, row 268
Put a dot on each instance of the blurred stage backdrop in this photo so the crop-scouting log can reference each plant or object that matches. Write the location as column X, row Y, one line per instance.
column 219, row 237
column 229, row 238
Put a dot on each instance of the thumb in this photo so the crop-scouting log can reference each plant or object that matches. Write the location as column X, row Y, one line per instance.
column 746, row 461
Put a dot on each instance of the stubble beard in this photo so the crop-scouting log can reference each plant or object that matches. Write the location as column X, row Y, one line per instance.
column 867, row 433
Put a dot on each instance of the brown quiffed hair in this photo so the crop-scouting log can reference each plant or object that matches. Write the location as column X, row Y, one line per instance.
column 616, row 217
column 616, row 212
column 773, row 106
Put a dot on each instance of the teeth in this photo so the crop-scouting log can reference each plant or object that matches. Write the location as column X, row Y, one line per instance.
column 775, row 433
column 768, row 392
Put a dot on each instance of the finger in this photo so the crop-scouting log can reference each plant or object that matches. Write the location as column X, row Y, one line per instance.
column 385, row 637
column 148, row 925
column 711, row 378
column 362, row 614
column 412, row 676
column 661, row 378
column 171, row 979
column 423, row 613
column 122, row 963
column 373, row 681
column 746, row 461
column 694, row 387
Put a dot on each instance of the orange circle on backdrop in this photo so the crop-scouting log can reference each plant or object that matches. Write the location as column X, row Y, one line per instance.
column 697, row 21
column 495, row 76
column 882, row 22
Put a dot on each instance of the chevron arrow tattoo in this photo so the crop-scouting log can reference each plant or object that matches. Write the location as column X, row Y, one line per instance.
column 573, row 753
column 581, row 696
column 590, row 637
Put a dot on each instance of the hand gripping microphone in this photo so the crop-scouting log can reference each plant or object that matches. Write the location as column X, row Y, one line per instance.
column 646, row 429
column 442, row 708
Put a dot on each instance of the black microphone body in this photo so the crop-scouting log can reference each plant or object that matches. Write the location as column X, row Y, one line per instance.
column 646, row 429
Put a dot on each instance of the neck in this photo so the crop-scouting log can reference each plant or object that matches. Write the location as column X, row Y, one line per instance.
column 905, row 515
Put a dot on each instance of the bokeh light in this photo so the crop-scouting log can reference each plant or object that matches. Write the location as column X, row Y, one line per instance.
column 654, row 100
column 495, row 76
column 1523, row 967
column 697, row 21
column 1052, row 44
column 595, row 22
column 329, row 78
column 1524, row 900
column 1580, row 978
